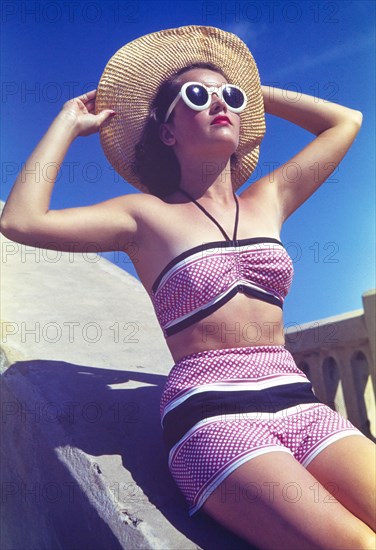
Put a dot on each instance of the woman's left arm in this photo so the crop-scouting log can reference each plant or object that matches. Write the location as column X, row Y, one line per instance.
column 335, row 127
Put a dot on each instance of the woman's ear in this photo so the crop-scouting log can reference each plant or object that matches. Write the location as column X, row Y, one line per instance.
column 166, row 136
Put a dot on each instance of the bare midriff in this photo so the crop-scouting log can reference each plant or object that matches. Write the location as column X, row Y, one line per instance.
column 241, row 322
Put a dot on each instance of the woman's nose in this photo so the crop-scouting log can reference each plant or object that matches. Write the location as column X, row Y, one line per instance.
column 218, row 103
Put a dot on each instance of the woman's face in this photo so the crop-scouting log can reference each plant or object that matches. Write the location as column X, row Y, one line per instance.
column 193, row 132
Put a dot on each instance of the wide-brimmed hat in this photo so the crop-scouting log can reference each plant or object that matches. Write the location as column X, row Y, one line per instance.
column 133, row 75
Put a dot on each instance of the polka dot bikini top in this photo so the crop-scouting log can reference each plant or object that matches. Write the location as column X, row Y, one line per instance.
column 200, row 280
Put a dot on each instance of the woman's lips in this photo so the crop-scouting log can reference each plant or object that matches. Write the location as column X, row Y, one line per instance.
column 221, row 120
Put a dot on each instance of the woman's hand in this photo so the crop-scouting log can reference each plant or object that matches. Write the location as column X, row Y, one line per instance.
column 28, row 204
column 79, row 112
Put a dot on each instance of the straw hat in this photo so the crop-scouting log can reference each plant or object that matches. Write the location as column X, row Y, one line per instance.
column 132, row 77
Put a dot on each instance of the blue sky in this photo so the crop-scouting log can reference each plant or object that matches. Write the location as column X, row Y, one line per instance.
column 55, row 50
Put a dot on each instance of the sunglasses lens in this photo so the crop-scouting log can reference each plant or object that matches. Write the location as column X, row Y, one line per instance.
column 198, row 95
column 233, row 97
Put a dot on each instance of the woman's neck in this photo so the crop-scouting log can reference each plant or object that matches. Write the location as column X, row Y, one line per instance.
column 211, row 180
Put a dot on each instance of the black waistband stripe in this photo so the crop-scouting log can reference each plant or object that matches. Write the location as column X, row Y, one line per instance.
column 221, row 403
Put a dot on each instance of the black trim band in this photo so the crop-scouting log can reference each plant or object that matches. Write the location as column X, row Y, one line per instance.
column 217, row 403
column 271, row 299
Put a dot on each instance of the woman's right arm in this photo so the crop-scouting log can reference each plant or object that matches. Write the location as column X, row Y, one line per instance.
column 26, row 216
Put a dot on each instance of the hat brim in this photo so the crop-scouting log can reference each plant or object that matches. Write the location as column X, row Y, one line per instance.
column 134, row 74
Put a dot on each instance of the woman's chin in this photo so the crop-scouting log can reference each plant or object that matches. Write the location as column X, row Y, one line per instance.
column 223, row 146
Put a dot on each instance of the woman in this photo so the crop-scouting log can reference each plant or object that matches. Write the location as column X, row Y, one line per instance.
column 181, row 115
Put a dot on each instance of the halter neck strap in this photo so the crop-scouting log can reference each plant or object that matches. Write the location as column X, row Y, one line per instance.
column 213, row 219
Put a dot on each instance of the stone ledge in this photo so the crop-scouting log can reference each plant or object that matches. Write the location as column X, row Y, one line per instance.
column 84, row 464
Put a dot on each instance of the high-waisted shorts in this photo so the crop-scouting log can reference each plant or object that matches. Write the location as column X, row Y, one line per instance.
column 221, row 408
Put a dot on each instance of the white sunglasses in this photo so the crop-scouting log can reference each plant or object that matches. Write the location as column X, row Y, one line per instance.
column 198, row 97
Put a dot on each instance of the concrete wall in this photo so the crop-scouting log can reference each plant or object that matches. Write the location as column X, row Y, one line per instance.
column 83, row 365
column 84, row 362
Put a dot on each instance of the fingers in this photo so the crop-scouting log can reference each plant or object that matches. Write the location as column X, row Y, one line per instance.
column 88, row 96
column 83, row 108
column 87, row 99
column 90, row 105
column 104, row 115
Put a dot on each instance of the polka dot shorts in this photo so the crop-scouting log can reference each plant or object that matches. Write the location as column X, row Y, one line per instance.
column 215, row 446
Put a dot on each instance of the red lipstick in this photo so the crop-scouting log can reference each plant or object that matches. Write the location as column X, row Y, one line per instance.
column 221, row 120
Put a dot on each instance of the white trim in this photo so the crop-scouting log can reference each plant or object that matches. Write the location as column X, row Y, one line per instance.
column 219, row 297
column 296, row 409
column 212, row 486
column 228, row 386
column 328, row 441
column 217, row 251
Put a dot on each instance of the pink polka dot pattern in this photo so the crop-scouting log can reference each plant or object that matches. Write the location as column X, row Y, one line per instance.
column 252, row 364
column 201, row 280
column 214, row 447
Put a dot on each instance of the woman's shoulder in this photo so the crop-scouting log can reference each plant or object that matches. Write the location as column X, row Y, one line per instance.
column 147, row 210
column 146, row 202
column 141, row 203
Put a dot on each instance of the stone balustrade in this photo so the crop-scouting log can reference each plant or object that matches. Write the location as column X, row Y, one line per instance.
column 338, row 356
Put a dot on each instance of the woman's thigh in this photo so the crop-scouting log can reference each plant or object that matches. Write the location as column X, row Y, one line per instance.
column 272, row 501
column 347, row 468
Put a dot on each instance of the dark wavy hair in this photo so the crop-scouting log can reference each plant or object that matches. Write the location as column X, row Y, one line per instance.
column 155, row 163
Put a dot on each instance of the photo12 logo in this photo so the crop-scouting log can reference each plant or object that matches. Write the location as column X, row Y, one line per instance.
column 25, row 11
column 269, row 12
